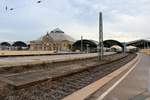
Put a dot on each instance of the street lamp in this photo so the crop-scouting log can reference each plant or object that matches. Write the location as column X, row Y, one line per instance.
column 81, row 44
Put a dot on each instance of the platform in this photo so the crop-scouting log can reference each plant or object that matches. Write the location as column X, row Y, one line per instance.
column 26, row 79
column 14, row 61
column 131, row 87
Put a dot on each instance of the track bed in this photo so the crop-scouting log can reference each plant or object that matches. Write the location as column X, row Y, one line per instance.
column 61, row 85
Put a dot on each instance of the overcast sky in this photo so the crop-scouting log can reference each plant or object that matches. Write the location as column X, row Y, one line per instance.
column 124, row 20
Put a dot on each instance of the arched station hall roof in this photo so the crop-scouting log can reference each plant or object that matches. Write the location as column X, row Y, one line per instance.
column 5, row 44
column 139, row 43
column 19, row 44
column 91, row 44
column 110, row 43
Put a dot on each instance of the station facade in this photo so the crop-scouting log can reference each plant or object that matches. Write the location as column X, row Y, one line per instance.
column 55, row 40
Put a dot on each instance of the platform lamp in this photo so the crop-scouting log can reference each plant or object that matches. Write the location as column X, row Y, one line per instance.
column 81, row 44
column 148, row 43
column 87, row 48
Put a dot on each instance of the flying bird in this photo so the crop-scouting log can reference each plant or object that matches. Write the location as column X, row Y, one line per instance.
column 6, row 8
column 11, row 8
column 39, row 1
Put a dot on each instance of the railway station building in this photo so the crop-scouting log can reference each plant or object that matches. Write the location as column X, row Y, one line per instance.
column 55, row 40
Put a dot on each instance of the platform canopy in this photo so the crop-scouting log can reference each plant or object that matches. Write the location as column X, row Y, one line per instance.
column 19, row 44
column 92, row 45
column 5, row 44
column 142, row 43
column 110, row 43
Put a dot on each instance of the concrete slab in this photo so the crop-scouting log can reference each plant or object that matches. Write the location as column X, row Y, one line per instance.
column 143, row 96
column 25, row 79
column 23, row 53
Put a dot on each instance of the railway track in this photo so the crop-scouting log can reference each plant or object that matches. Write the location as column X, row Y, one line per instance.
column 58, row 88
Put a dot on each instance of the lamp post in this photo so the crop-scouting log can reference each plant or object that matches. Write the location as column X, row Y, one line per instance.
column 81, row 44
column 144, row 46
column 87, row 48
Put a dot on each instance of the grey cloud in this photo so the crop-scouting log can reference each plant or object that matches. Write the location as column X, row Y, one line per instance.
column 76, row 17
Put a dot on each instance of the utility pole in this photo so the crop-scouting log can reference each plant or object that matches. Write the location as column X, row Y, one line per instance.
column 144, row 46
column 87, row 48
column 147, row 44
column 81, row 44
column 100, row 45
column 125, row 47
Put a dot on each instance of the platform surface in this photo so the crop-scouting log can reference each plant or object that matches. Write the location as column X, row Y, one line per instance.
column 26, row 78
column 134, row 86
column 13, row 61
